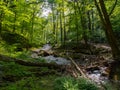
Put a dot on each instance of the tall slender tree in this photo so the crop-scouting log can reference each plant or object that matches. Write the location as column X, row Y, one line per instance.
column 110, row 36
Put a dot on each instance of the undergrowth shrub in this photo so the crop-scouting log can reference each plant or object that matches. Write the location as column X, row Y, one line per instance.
column 31, row 83
column 13, row 69
column 70, row 83
column 111, row 86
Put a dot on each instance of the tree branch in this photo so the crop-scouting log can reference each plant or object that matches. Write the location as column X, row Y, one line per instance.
column 113, row 8
column 100, row 13
column 78, row 68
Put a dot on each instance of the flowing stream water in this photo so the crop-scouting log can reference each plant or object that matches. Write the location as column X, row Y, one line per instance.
column 97, row 76
column 93, row 74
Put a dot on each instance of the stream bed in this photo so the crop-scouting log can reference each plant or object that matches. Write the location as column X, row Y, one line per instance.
column 57, row 60
column 98, row 75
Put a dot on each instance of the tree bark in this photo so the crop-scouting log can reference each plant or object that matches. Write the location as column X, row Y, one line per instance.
column 64, row 26
column 15, row 17
column 61, row 26
column 1, row 16
column 53, row 18
column 114, row 72
column 76, row 22
column 109, row 31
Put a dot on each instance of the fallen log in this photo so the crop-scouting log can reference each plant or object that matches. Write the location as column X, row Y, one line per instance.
column 78, row 68
column 29, row 63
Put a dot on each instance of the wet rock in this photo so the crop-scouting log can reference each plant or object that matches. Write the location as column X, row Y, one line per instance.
column 96, row 71
column 95, row 77
column 34, row 55
column 97, row 74
column 36, row 51
column 46, row 47
column 57, row 60
column 46, row 50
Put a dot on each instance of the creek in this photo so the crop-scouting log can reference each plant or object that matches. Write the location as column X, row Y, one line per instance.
column 98, row 75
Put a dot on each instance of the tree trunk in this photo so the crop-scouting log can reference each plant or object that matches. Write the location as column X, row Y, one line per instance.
column 32, row 25
column 76, row 23
column 56, row 33
column 53, row 18
column 61, row 27
column 89, row 21
column 64, row 28
column 114, row 72
column 14, row 27
column 0, row 28
column 84, row 28
column 1, row 16
column 109, row 31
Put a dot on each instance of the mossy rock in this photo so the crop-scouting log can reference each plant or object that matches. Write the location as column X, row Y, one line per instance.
column 15, row 39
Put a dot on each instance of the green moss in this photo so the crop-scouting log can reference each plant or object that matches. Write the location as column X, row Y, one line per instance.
column 12, row 69
column 32, row 83
column 18, row 77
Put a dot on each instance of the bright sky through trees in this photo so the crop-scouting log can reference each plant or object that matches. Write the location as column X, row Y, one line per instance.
column 46, row 12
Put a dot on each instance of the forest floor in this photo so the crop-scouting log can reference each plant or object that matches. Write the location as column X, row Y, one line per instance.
column 18, row 77
column 95, row 66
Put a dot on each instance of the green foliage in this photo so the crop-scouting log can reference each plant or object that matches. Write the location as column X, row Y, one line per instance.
column 18, row 77
column 66, row 83
column 6, row 49
column 27, row 20
column 111, row 86
column 12, row 69
column 98, row 36
column 69, row 83
column 32, row 83
column 10, row 50
column 12, row 38
column 15, row 41
column 25, row 55
column 86, row 85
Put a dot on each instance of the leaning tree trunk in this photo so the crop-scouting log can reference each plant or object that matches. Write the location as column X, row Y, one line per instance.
column 115, row 71
column 14, row 26
column 61, row 26
column 1, row 16
column 64, row 26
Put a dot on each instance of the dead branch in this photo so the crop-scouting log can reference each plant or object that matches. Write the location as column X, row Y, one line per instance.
column 77, row 67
